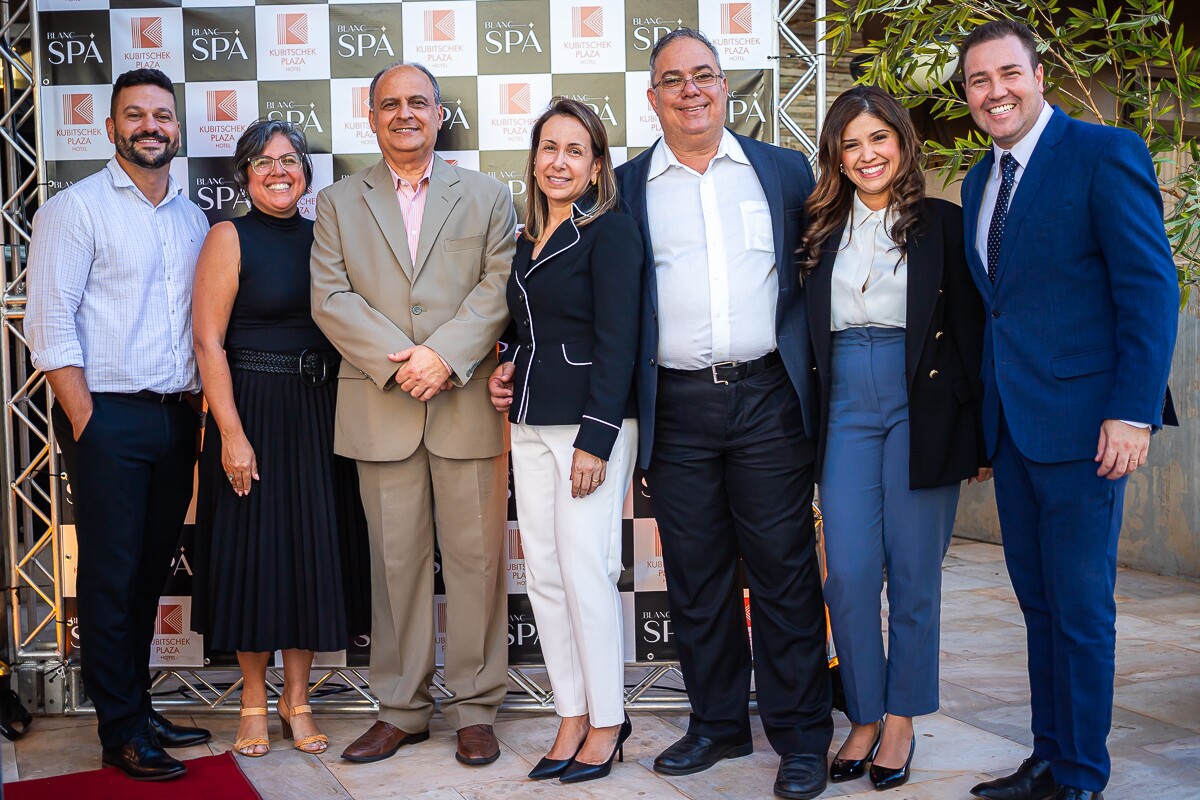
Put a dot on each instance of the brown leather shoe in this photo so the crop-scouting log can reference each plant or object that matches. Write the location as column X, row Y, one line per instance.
column 381, row 741
column 477, row 745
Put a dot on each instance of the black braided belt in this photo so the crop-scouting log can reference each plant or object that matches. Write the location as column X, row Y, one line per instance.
column 313, row 367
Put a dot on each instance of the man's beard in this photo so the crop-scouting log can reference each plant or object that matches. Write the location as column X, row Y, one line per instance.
column 130, row 153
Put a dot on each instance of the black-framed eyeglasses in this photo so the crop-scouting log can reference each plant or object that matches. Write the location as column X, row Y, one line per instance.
column 264, row 165
column 675, row 83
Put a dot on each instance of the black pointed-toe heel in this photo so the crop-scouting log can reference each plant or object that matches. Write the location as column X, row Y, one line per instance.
column 553, row 767
column 578, row 771
column 847, row 769
column 888, row 778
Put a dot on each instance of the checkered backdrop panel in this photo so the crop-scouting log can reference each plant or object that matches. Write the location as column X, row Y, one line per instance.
column 498, row 62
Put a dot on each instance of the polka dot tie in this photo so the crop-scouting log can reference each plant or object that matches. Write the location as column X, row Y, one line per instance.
column 1008, row 170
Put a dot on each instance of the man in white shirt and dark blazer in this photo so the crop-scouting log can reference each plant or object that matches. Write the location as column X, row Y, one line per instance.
column 727, row 418
column 1064, row 233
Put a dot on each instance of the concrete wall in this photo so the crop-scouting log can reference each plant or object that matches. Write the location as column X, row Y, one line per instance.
column 1161, row 532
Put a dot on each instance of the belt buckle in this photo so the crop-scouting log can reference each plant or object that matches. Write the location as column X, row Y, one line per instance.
column 721, row 364
column 314, row 368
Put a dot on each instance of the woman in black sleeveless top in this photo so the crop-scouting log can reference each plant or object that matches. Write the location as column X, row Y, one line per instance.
column 279, row 529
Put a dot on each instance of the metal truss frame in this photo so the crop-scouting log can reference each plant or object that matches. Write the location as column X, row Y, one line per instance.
column 29, row 469
column 812, row 82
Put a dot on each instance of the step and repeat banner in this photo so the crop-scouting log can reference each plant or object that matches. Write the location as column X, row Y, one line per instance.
column 498, row 63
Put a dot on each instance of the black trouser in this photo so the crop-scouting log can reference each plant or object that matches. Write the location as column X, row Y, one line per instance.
column 731, row 475
column 131, row 481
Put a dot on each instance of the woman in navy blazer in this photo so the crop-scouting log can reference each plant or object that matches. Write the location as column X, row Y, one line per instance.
column 897, row 330
column 566, row 382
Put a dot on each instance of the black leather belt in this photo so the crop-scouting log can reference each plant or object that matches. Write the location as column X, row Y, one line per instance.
column 314, row 367
column 173, row 397
column 731, row 371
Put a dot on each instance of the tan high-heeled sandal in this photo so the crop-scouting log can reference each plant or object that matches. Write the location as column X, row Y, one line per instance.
column 303, row 742
column 246, row 746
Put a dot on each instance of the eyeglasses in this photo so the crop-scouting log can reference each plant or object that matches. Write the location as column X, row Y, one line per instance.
column 675, row 83
column 264, row 165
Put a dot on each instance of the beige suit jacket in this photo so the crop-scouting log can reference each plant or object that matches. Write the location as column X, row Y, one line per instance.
column 370, row 299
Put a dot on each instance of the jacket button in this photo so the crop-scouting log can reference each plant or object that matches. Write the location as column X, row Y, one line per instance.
column 938, row 335
column 996, row 314
column 525, row 322
column 814, row 369
column 653, row 362
column 941, row 291
column 933, row 373
column 417, row 310
column 521, row 297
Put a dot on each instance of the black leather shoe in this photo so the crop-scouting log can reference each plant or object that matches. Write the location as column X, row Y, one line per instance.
column 801, row 776
column 141, row 758
column 169, row 734
column 847, row 769
column 553, row 767
column 1032, row 781
column 694, row 753
column 890, row 777
column 1071, row 793
column 580, row 771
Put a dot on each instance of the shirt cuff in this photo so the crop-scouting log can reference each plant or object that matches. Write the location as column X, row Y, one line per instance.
column 1135, row 424
column 68, row 354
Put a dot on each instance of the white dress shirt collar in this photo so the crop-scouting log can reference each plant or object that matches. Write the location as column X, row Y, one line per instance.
column 664, row 157
column 121, row 180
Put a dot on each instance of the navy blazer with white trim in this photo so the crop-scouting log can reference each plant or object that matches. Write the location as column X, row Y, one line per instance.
column 574, row 328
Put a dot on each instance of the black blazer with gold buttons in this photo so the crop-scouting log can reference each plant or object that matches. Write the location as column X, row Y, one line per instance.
column 943, row 349
column 574, row 328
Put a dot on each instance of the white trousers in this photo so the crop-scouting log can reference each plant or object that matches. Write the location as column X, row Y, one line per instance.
column 572, row 562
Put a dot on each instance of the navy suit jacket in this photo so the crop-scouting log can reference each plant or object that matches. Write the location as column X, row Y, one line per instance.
column 1081, row 320
column 786, row 180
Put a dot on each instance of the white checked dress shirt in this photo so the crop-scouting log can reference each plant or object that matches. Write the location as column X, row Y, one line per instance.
column 714, row 259
column 870, row 279
column 110, row 284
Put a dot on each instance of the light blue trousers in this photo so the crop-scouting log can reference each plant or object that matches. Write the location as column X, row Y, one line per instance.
column 874, row 521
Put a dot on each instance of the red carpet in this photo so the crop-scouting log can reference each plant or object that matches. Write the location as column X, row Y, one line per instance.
column 207, row 778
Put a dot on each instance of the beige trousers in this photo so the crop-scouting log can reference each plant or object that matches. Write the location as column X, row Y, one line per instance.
column 463, row 502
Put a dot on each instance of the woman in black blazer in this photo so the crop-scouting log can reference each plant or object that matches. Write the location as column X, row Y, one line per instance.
column 566, row 382
column 897, row 331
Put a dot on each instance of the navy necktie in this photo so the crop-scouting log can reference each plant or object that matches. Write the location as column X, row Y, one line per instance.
column 1008, row 170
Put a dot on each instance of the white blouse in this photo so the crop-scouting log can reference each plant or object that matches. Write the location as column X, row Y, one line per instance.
column 870, row 278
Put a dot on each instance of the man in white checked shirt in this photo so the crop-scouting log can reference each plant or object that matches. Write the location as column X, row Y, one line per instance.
column 109, row 321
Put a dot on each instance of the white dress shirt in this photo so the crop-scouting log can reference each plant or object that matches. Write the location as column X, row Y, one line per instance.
column 870, row 277
column 1022, row 151
column 110, row 284
column 714, row 259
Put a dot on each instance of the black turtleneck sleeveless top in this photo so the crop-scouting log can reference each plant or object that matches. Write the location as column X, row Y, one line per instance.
column 272, row 311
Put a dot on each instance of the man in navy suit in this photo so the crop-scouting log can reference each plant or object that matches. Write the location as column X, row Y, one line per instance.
column 1064, row 230
column 727, row 418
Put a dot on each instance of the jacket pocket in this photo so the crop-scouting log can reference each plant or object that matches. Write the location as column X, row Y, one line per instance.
column 1084, row 363
column 577, row 354
column 465, row 243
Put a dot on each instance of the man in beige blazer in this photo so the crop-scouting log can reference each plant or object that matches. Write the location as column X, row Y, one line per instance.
column 409, row 269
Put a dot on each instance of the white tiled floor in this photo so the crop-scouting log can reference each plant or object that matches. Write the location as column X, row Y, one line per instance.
column 982, row 729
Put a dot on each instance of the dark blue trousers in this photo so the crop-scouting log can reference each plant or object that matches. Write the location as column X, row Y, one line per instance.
column 873, row 521
column 1060, row 524
column 131, row 482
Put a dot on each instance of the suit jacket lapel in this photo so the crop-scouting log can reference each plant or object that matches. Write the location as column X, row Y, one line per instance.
column 924, row 279
column 635, row 204
column 443, row 196
column 972, row 197
column 380, row 194
column 1035, row 173
column 817, row 288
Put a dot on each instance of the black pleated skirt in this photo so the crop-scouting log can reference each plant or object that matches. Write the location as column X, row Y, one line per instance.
column 288, row 565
